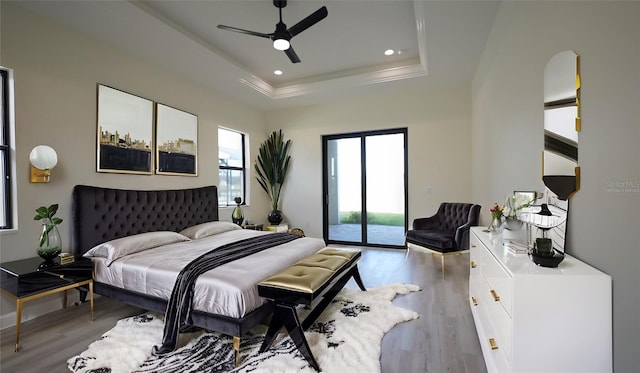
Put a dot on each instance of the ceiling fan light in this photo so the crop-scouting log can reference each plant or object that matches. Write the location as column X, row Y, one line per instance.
column 281, row 44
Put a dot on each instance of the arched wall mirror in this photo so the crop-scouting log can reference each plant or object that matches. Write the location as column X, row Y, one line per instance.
column 560, row 170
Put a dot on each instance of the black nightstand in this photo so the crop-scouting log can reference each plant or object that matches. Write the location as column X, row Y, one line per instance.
column 30, row 279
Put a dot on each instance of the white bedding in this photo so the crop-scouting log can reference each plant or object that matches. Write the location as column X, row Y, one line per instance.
column 230, row 289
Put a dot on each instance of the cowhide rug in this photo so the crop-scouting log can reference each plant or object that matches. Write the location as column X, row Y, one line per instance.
column 345, row 338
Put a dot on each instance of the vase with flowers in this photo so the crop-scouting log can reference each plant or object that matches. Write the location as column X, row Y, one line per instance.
column 496, row 217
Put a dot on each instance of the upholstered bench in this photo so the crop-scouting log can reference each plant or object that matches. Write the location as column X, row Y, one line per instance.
column 313, row 281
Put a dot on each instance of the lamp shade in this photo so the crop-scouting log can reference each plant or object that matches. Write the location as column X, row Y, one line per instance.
column 43, row 157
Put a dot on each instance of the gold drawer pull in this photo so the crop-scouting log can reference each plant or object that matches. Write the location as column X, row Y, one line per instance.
column 474, row 301
column 473, row 265
column 495, row 295
column 472, row 245
column 493, row 344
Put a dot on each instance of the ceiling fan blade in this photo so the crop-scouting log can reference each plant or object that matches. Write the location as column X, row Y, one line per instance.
column 292, row 55
column 243, row 31
column 311, row 20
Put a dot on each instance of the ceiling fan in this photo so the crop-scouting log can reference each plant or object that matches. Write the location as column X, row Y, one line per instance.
column 282, row 35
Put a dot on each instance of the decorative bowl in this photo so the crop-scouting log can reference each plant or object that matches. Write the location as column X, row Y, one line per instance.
column 547, row 261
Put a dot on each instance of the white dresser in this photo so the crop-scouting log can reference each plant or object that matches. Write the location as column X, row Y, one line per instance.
column 535, row 319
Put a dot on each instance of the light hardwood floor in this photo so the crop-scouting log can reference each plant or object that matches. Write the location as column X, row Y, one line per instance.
column 443, row 339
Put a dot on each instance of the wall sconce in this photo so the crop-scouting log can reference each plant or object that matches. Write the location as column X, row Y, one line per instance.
column 43, row 158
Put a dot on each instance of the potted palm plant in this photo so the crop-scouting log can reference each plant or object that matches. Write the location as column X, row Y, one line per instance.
column 272, row 164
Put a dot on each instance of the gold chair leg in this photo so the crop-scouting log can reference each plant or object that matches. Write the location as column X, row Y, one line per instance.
column 442, row 259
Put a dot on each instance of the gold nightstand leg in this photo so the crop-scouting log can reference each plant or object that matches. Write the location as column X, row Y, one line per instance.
column 21, row 301
column 18, row 321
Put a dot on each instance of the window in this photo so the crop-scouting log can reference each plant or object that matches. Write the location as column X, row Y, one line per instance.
column 7, row 213
column 232, row 156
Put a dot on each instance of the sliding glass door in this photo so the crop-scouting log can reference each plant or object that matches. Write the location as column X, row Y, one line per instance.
column 365, row 188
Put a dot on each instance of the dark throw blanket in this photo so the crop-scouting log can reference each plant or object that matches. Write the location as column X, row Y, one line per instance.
column 180, row 304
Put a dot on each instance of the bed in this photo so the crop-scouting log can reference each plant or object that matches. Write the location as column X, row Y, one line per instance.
column 226, row 298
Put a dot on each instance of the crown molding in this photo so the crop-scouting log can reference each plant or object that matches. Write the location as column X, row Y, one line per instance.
column 294, row 90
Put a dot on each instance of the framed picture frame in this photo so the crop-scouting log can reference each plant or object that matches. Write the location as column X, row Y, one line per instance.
column 125, row 132
column 525, row 195
column 176, row 141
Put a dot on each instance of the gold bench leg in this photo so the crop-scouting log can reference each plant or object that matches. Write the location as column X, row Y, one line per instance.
column 442, row 259
column 236, row 349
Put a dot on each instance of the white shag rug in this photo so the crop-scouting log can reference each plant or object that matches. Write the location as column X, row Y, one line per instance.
column 345, row 338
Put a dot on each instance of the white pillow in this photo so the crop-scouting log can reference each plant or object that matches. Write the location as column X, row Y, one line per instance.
column 209, row 229
column 120, row 247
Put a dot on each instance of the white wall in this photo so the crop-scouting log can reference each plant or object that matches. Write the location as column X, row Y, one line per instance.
column 56, row 72
column 438, row 125
column 507, row 97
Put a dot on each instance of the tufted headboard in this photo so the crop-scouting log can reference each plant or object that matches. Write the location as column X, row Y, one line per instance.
column 103, row 214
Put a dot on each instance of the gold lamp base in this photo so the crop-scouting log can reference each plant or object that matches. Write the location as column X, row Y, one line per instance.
column 40, row 176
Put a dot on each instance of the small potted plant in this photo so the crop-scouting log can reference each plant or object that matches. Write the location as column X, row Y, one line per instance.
column 544, row 246
column 50, row 244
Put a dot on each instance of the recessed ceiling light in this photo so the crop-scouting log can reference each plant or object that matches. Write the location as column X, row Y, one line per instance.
column 277, row 72
column 389, row 52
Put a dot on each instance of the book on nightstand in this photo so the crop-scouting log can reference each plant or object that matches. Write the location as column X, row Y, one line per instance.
column 277, row 228
column 66, row 258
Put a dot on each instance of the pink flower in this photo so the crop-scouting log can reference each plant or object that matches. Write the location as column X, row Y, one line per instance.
column 496, row 211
